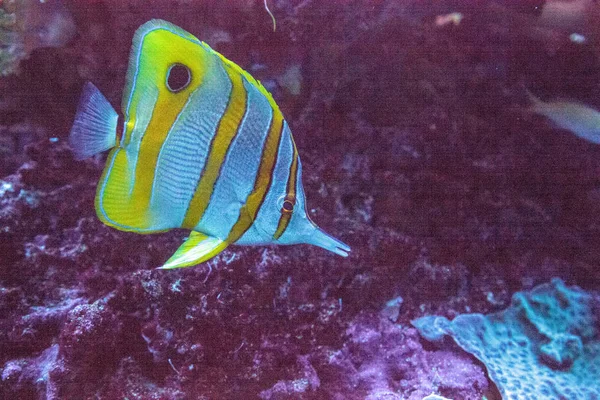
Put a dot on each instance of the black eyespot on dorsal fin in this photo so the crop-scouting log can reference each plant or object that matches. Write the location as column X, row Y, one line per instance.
column 179, row 77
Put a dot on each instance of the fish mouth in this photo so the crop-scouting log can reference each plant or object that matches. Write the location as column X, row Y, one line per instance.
column 322, row 239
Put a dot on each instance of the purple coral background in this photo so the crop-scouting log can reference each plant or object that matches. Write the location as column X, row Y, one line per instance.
column 417, row 152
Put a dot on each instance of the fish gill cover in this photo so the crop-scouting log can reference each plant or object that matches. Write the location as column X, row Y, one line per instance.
column 418, row 149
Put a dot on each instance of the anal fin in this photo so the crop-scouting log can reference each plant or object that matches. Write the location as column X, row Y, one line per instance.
column 196, row 249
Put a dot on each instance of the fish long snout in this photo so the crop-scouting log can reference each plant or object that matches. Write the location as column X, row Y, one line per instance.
column 319, row 238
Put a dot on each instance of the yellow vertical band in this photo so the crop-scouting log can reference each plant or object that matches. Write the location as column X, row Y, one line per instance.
column 226, row 132
column 151, row 72
column 167, row 109
column 263, row 179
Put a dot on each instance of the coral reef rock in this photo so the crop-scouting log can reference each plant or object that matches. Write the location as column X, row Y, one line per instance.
column 546, row 344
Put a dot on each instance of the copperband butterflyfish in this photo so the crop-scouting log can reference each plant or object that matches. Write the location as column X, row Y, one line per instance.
column 203, row 147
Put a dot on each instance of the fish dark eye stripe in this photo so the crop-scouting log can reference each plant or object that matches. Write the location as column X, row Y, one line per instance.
column 268, row 214
column 227, row 130
column 285, row 218
column 263, row 179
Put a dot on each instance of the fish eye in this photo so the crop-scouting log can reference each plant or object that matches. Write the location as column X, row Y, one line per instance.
column 288, row 205
column 178, row 77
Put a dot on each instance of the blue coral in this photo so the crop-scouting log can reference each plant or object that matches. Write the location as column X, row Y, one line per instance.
column 547, row 343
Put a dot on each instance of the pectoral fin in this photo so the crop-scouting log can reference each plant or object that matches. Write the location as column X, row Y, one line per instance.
column 196, row 249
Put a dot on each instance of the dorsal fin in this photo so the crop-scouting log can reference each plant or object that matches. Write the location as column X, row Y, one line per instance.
column 246, row 75
column 134, row 55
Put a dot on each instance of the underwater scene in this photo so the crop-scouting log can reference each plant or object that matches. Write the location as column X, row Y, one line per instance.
column 300, row 199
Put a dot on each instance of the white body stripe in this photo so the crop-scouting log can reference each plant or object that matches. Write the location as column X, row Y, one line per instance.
column 240, row 167
column 143, row 114
column 184, row 152
column 267, row 219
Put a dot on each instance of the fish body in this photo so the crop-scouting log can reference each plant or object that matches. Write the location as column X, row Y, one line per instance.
column 578, row 118
column 204, row 147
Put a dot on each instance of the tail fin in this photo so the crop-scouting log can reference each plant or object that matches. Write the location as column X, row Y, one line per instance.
column 95, row 126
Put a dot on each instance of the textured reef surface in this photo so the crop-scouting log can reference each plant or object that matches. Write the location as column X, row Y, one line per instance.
column 418, row 151
column 546, row 344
